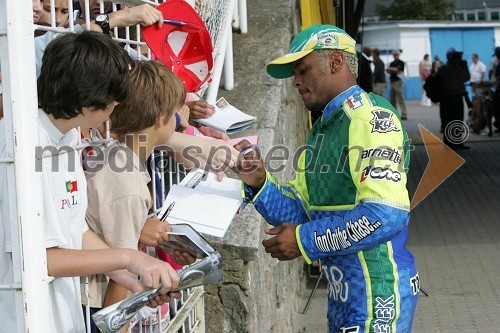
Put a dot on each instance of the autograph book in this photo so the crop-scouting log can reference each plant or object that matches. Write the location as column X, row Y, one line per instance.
column 227, row 118
column 209, row 206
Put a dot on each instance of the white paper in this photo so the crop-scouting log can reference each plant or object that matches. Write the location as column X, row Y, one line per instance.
column 227, row 118
column 207, row 205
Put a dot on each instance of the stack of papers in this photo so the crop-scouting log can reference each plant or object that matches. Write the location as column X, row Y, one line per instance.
column 204, row 203
column 227, row 118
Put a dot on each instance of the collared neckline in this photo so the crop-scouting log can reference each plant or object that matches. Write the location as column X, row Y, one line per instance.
column 335, row 103
column 54, row 133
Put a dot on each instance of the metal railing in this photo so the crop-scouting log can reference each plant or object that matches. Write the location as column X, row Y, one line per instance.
column 17, row 55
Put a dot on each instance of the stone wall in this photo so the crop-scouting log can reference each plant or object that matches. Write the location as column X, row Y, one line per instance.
column 259, row 294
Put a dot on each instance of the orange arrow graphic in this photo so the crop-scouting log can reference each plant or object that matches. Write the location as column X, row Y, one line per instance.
column 443, row 161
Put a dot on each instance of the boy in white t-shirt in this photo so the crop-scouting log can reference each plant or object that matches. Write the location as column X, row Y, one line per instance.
column 83, row 77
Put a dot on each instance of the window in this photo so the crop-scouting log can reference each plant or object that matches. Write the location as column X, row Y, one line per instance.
column 459, row 16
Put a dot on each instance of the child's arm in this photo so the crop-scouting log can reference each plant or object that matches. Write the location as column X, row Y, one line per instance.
column 115, row 293
column 197, row 152
column 144, row 15
column 121, row 265
column 213, row 133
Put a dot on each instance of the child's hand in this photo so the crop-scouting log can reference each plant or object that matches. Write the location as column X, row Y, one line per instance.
column 200, row 109
column 152, row 272
column 218, row 155
column 154, row 232
column 213, row 133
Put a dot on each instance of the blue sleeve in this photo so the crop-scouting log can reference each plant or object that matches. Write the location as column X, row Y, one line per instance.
column 277, row 203
column 364, row 227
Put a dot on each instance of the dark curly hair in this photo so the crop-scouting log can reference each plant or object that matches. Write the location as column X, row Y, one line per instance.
column 87, row 69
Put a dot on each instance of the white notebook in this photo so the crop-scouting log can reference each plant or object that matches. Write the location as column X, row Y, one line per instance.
column 227, row 118
column 207, row 205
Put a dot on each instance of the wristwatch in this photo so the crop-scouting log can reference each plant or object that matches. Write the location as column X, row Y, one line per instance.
column 102, row 20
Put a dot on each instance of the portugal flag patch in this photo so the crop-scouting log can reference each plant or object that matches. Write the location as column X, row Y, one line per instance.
column 71, row 186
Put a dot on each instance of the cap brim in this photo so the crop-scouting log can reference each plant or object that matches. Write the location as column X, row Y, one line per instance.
column 281, row 68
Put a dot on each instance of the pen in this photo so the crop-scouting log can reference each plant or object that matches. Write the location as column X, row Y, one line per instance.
column 167, row 212
column 175, row 22
column 200, row 98
column 247, row 149
column 181, row 23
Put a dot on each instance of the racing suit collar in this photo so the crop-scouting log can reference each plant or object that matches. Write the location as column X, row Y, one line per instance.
column 335, row 103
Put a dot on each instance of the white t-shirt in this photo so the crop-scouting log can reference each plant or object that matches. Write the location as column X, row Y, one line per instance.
column 65, row 204
column 477, row 70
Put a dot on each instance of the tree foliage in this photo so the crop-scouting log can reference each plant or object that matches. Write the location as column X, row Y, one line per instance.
column 430, row 10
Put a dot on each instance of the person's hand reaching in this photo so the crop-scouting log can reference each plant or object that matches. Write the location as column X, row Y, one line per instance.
column 200, row 109
column 144, row 15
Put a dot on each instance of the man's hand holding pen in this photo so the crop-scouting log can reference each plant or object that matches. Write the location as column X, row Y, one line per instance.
column 250, row 167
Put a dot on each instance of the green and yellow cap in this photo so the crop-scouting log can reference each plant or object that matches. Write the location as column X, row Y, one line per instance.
column 317, row 37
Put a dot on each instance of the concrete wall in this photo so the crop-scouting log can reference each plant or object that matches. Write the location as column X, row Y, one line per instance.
column 259, row 294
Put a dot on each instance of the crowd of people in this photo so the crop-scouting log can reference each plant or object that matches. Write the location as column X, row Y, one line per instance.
column 453, row 75
column 375, row 80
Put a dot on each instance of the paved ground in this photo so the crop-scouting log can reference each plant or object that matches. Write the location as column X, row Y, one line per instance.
column 455, row 237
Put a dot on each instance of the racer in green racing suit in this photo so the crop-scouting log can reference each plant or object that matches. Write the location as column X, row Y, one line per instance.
column 351, row 209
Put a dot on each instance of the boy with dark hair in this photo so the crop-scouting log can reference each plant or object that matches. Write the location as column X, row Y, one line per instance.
column 57, row 95
column 72, row 249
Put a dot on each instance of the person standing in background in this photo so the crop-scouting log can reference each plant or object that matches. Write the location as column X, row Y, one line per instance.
column 477, row 70
column 424, row 69
column 493, row 65
column 396, row 70
column 453, row 74
column 435, row 65
column 379, row 82
column 496, row 96
column 365, row 75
